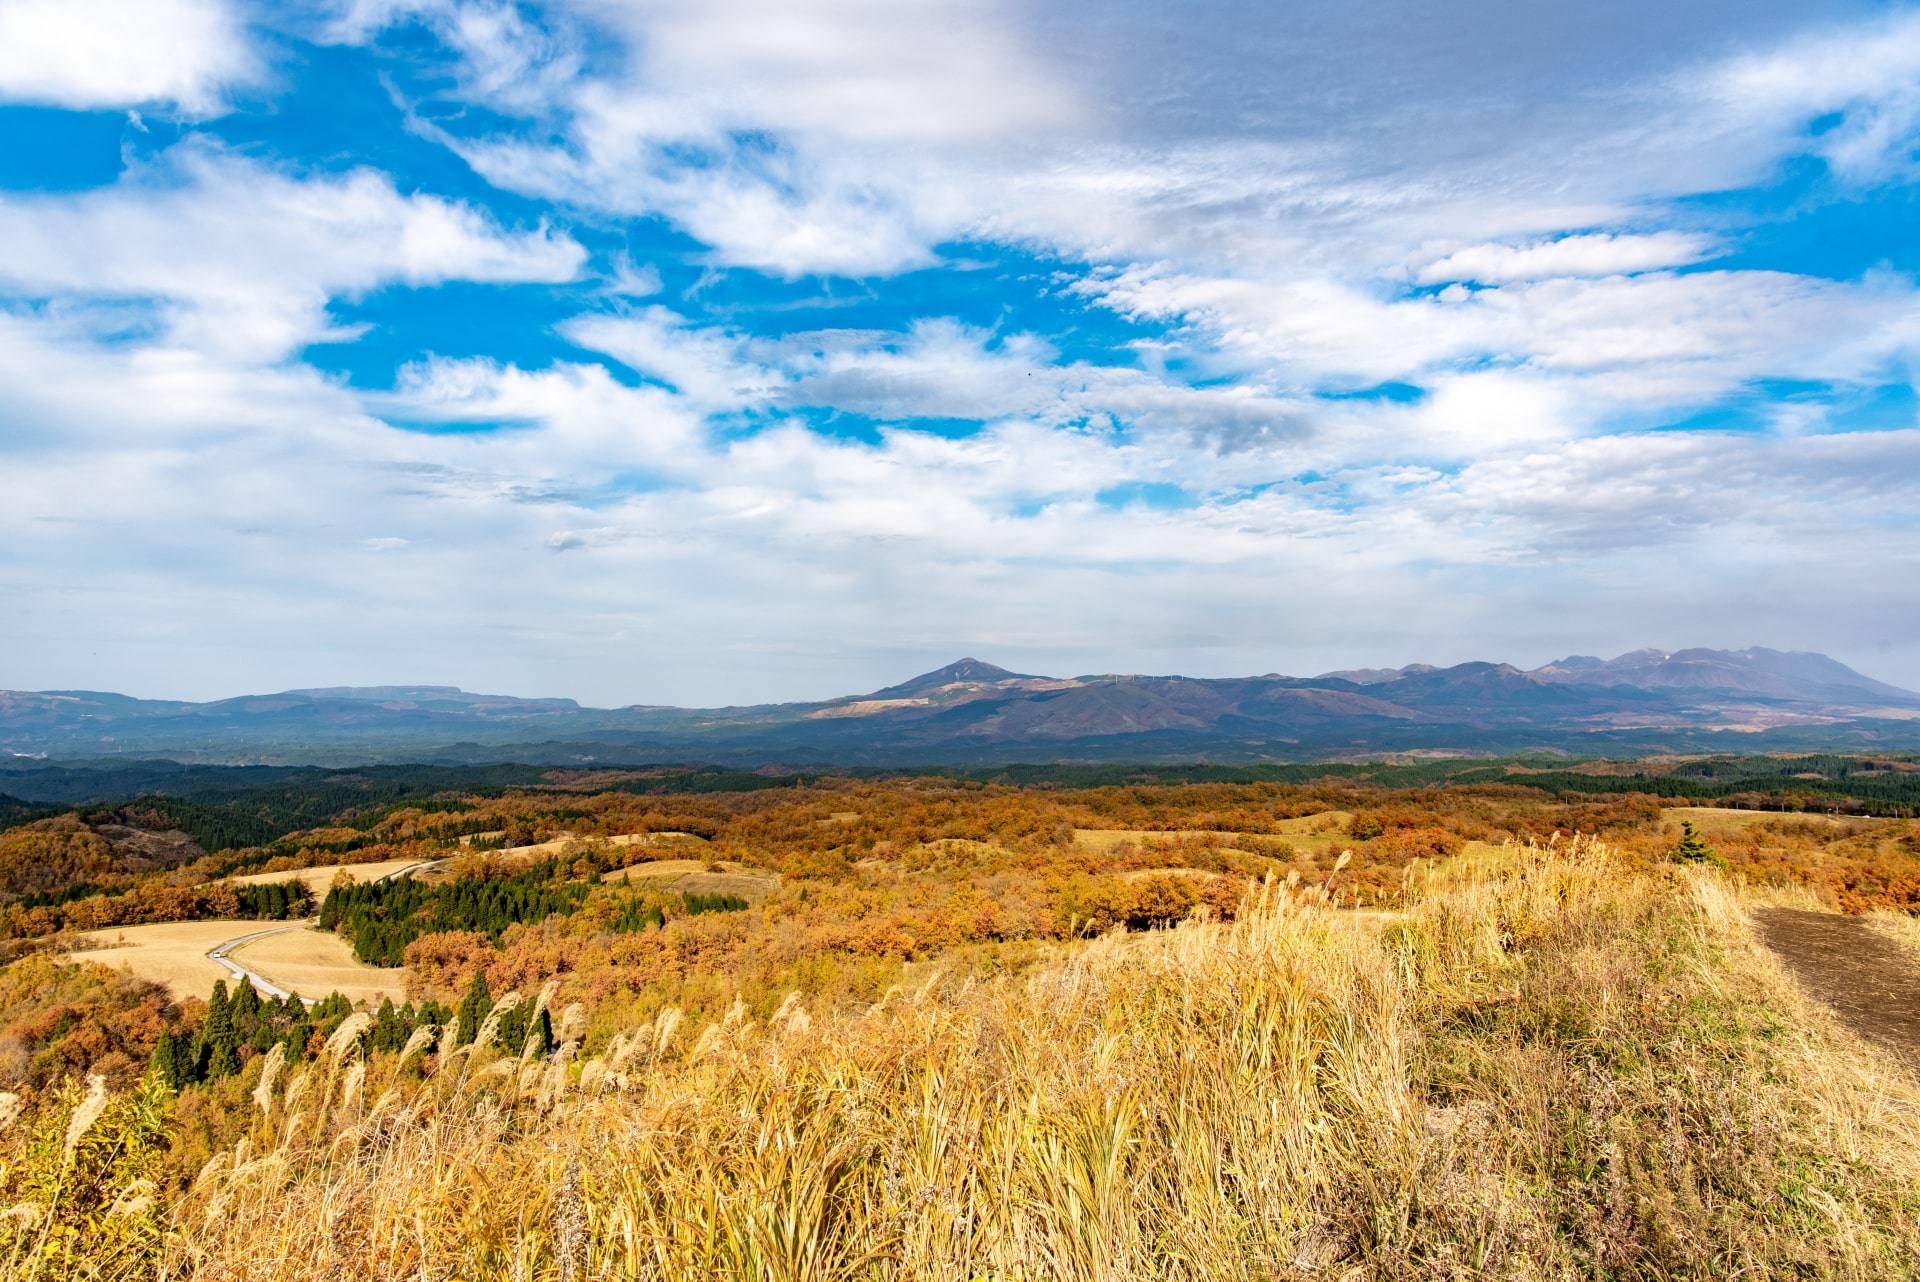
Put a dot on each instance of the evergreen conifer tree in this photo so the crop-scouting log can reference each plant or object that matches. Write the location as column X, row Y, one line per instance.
column 299, row 1035
column 513, row 1028
column 329, row 1011
column 389, row 1030
column 185, row 1069
column 473, row 1008
column 219, row 1042
column 542, row 1033
column 161, row 1065
column 1691, row 848
column 172, row 1060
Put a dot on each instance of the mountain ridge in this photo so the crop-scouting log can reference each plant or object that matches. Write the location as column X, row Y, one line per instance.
column 974, row 710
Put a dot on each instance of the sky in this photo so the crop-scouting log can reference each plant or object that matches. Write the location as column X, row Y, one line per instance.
column 677, row 352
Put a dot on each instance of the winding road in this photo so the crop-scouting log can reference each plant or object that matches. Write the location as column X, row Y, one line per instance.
column 259, row 981
column 219, row 953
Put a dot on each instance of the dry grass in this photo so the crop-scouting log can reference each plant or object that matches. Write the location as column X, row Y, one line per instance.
column 1711, row 818
column 318, row 880
column 1141, row 874
column 172, row 953
column 315, row 963
column 1552, row 1067
column 700, row 877
column 1899, row 927
column 521, row 857
column 1316, row 829
column 305, row 961
column 1477, row 856
column 547, row 849
column 1104, row 841
column 1310, row 834
column 1326, row 821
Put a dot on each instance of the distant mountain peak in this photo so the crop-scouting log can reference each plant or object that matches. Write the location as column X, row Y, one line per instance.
column 959, row 672
column 1361, row 676
column 1377, row 676
column 1663, row 700
column 380, row 692
column 1792, row 675
column 1577, row 663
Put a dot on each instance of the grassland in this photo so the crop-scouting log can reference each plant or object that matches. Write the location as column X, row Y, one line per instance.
column 300, row 960
column 699, row 877
column 317, row 879
column 313, row 963
column 965, row 1031
column 1559, row 1067
column 172, row 954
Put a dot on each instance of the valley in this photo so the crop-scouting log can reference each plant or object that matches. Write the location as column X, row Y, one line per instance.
column 538, row 965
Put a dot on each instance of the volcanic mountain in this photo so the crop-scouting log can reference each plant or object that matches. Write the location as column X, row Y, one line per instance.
column 971, row 711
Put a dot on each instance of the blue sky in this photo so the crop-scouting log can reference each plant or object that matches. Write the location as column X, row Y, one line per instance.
column 673, row 352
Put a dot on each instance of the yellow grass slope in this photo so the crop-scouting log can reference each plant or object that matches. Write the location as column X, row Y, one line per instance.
column 561, row 845
column 1316, row 834
column 317, row 880
column 302, row 960
column 699, row 877
column 314, row 963
column 1551, row 1066
column 171, row 953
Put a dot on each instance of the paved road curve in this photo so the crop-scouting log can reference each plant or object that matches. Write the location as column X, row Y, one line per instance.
column 261, row 982
column 258, row 980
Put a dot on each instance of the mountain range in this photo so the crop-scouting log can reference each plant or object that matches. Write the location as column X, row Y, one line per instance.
column 971, row 712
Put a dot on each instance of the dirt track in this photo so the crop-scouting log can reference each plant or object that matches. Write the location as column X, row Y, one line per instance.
column 1869, row 980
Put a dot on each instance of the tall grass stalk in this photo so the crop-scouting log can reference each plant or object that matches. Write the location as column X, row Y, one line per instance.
column 1551, row 1065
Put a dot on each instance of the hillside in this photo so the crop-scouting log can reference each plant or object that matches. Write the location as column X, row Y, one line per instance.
column 974, row 712
column 1363, row 1025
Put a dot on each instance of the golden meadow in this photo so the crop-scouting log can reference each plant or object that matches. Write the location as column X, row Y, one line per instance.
column 1538, row 1056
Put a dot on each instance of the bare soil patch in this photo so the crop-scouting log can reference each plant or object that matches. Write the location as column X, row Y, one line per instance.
column 152, row 849
column 1868, row 979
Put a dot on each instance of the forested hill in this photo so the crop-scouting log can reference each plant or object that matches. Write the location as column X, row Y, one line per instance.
column 226, row 807
column 974, row 713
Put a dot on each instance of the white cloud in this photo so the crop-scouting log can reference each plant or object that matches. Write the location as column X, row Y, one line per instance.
column 119, row 53
column 853, row 136
column 1861, row 82
column 704, row 365
column 690, row 539
column 1597, row 254
column 1630, row 342
column 695, row 567
column 864, row 70
column 236, row 258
